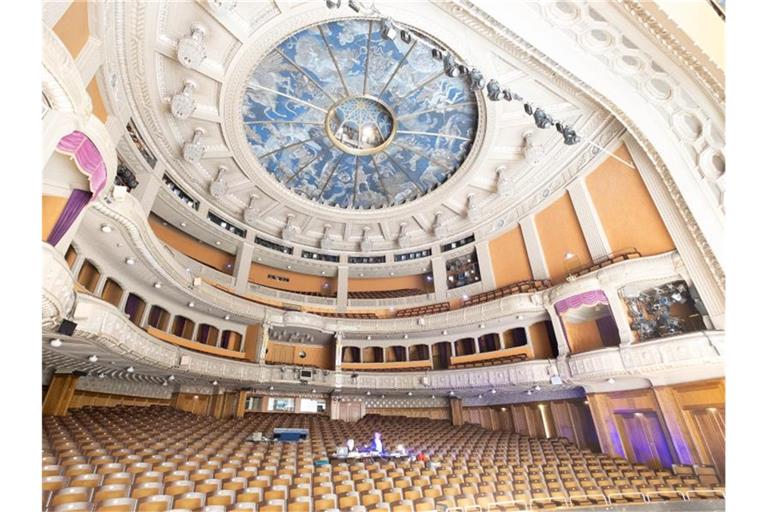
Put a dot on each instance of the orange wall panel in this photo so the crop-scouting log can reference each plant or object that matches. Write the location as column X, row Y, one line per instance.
column 626, row 210
column 296, row 282
column 509, row 258
column 99, row 110
column 72, row 28
column 539, row 341
column 416, row 282
column 560, row 233
column 52, row 208
column 182, row 242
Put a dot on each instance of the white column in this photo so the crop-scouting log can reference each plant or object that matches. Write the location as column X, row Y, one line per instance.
column 123, row 300
column 439, row 277
column 262, row 350
column 589, row 221
column 342, row 287
column 702, row 276
column 241, row 272
column 339, row 349
column 619, row 316
column 100, row 285
column 77, row 265
column 146, row 192
column 533, row 248
column 557, row 326
column 486, row 265
column 477, row 345
column 145, row 315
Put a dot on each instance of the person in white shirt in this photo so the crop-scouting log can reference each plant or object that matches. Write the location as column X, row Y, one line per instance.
column 376, row 445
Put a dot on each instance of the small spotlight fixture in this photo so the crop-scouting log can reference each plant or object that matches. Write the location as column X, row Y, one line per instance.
column 480, row 396
column 542, row 119
column 130, row 369
column 93, row 358
column 388, row 30
column 271, row 388
column 226, row 317
column 493, row 391
column 410, row 393
column 449, row 66
column 437, row 54
column 355, row 5
column 569, row 136
column 191, row 304
column 102, row 375
column 529, row 392
column 368, row 393
column 165, row 383
column 333, row 4
column 157, row 284
column 537, row 388
column 130, row 261
column 451, row 393
column 611, row 380
column 215, row 383
column 528, row 109
column 406, row 36
column 106, row 228
column 314, row 390
column 55, row 343
column 171, row 377
column 444, row 332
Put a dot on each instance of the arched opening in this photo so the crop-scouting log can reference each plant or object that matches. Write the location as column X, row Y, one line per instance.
column 134, row 308
column 112, row 292
column 418, row 352
column 373, row 355
column 464, row 346
column 489, row 342
column 182, row 327
column 70, row 256
column 395, row 354
column 89, row 276
column 158, row 318
column 231, row 340
column 515, row 338
column 350, row 355
column 207, row 334
column 441, row 355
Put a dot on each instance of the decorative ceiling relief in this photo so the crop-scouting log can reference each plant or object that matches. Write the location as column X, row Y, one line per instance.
column 343, row 116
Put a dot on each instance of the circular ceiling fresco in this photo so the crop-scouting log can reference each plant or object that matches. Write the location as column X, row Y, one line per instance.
column 345, row 117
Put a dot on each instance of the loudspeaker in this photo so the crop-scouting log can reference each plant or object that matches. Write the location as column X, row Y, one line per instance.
column 697, row 302
column 67, row 327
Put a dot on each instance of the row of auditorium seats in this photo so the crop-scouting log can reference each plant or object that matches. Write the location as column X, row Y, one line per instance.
column 333, row 314
column 158, row 458
column 386, row 294
column 510, row 289
column 615, row 257
column 430, row 309
column 491, row 361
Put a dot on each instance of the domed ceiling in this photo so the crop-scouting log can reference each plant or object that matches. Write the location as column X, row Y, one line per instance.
column 341, row 115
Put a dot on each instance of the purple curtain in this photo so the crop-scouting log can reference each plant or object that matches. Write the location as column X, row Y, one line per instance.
column 400, row 354
column 609, row 332
column 75, row 204
column 131, row 305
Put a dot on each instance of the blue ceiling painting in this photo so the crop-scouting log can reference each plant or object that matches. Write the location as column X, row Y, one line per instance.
column 347, row 118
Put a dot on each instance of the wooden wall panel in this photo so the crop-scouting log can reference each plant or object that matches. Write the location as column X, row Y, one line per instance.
column 560, row 233
column 627, row 212
column 583, row 336
column 432, row 413
column 539, row 341
column 290, row 353
column 509, row 258
column 195, row 403
column 416, row 282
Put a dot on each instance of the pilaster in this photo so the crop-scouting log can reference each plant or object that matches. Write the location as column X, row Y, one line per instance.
column 589, row 221
column 533, row 248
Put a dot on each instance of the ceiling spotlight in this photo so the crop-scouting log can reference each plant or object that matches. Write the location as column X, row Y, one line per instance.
column 480, row 396
column 611, row 380
column 368, row 337
column 493, row 391
column 218, row 243
column 130, row 369
column 215, row 383
column 382, row 396
column 410, row 393
column 183, row 224
column 476, row 80
column 507, row 95
column 130, row 261
column 569, row 136
column 528, row 109
column 529, row 392
column 537, row 387
column 465, row 297
column 226, row 317
column 93, row 358
column 191, row 304
column 314, row 390
column 519, row 317
column 355, row 5
column 437, row 54
column 55, row 343
column 451, row 392
column 102, row 375
column 165, row 383
column 368, row 393
column 405, row 336
column 433, row 397
column 271, row 388
column 157, row 284
column 449, row 66
column 444, row 332
column 333, row 4
column 482, row 326
column 288, row 267
column 105, row 228
column 388, row 30
column 542, row 119
column 171, row 377
column 406, row 36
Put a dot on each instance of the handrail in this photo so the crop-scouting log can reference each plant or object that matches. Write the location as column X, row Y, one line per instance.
column 193, row 345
